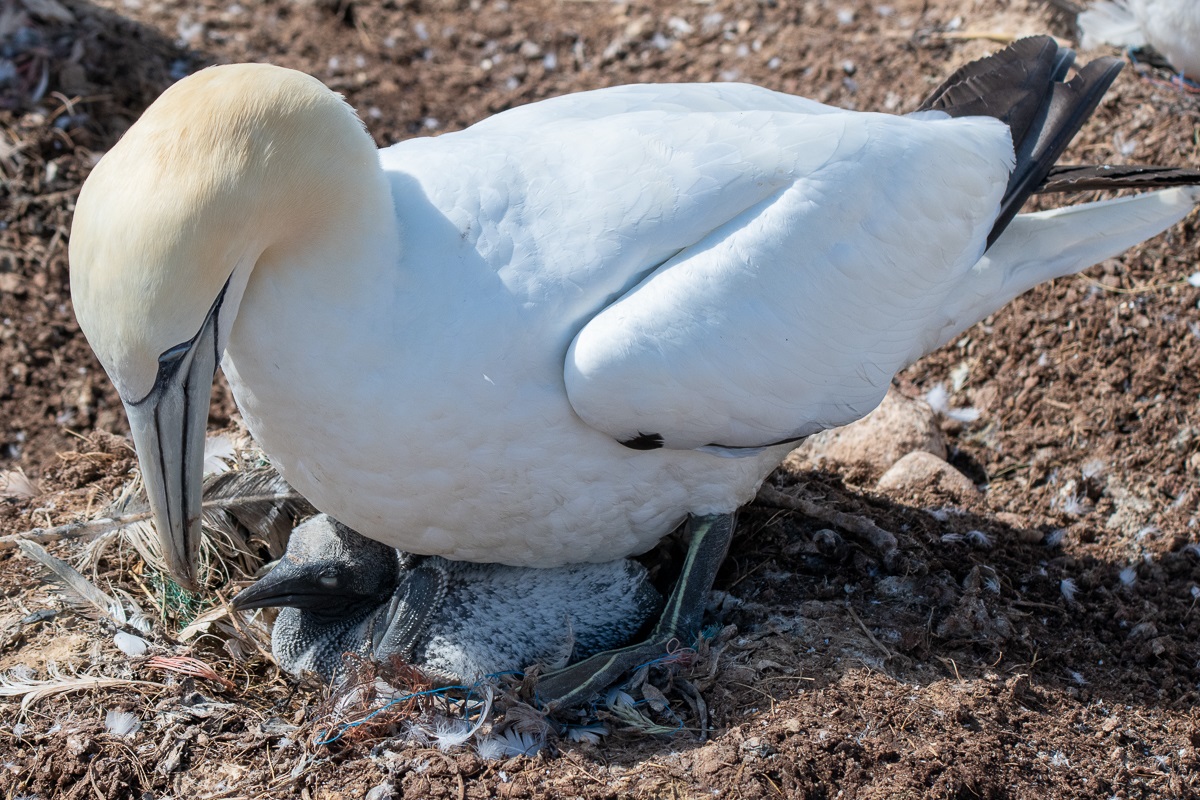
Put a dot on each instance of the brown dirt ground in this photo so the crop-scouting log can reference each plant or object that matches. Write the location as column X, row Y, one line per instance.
column 967, row 673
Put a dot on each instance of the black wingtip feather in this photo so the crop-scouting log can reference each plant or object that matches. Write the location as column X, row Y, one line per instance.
column 644, row 441
column 1066, row 107
column 1023, row 86
column 1064, row 178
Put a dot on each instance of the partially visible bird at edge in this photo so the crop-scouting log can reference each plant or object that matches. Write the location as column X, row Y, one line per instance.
column 1170, row 27
column 554, row 336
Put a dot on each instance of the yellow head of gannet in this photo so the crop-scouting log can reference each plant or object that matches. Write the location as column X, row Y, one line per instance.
column 227, row 167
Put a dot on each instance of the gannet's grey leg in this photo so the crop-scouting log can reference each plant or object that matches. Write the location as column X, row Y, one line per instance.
column 417, row 600
column 679, row 623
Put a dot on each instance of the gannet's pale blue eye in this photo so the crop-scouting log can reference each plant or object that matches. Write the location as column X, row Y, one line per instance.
column 329, row 580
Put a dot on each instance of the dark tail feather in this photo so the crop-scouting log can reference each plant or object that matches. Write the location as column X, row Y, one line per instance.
column 1023, row 87
column 1082, row 178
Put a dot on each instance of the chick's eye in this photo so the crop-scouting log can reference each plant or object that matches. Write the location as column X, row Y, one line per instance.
column 329, row 581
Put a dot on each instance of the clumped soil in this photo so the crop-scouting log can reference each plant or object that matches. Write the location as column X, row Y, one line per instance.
column 1041, row 640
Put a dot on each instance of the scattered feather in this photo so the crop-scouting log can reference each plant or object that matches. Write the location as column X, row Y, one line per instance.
column 959, row 375
column 79, row 590
column 15, row 483
column 617, row 698
column 130, row 645
column 509, row 744
column 591, row 734
column 450, row 732
column 1128, row 576
column 121, row 723
column 939, row 400
column 526, row 718
column 31, row 691
column 1068, row 589
column 979, row 539
column 137, row 618
column 1146, row 531
column 1070, row 502
column 219, row 454
column 1055, row 537
column 1126, row 147
column 952, row 538
column 1194, row 279
column 186, row 665
column 944, row 513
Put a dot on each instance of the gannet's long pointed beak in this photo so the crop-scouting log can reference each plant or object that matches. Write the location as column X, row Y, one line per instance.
column 286, row 585
column 168, row 427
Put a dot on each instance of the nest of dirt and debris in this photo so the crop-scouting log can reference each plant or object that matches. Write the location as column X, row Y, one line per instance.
column 1033, row 634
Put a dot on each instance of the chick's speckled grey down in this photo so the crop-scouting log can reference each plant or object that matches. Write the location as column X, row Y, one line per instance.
column 457, row 621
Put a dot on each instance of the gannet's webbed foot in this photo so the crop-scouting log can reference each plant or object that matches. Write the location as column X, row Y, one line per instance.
column 678, row 626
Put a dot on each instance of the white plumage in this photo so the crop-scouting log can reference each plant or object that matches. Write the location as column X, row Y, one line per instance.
column 443, row 344
column 718, row 265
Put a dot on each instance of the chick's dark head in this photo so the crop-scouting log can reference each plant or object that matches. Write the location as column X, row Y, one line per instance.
column 328, row 569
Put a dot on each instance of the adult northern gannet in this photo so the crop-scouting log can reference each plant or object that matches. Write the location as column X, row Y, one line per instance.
column 457, row 621
column 1172, row 27
column 549, row 338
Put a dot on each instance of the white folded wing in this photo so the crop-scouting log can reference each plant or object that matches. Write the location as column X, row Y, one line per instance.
column 737, row 267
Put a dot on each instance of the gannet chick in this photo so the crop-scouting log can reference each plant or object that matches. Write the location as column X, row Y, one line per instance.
column 554, row 336
column 456, row 621
column 1172, row 27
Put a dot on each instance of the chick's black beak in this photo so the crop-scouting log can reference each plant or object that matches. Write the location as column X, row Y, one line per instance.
column 290, row 585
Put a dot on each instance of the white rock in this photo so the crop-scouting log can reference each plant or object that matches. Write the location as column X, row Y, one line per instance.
column 921, row 471
column 384, row 791
column 900, row 425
